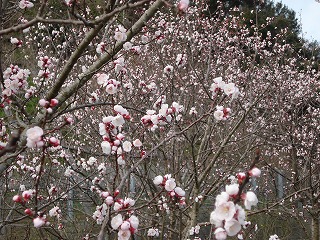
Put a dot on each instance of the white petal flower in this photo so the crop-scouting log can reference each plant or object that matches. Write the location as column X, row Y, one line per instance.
column 124, row 234
column 232, row 227
column 125, row 226
column 55, row 211
column 250, row 200
column 116, row 221
column 134, row 221
column 38, row 222
column 103, row 79
column 225, row 211
column 229, row 88
column 106, row 147
column 218, row 115
column 170, row 184
column 179, row 191
column 137, row 143
column 220, row 234
column 222, row 198
column 118, row 120
column 215, row 220
column 127, row 146
column 158, row 180
column 232, row 189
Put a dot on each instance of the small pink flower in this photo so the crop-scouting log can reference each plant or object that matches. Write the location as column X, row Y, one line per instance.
column 255, row 172
column 25, row 4
column 53, row 102
column 38, row 222
column 54, row 142
column 17, row 199
column 183, row 5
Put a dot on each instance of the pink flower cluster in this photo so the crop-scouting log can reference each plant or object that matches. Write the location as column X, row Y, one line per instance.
column 177, row 194
column 219, row 85
column 112, row 86
column 44, row 63
column 125, row 227
column 48, row 104
column 221, row 113
column 25, row 196
column 15, row 79
column 25, row 4
column 164, row 116
column 113, row 139
column 34, row 137
column 228, row 217
column 16, row 42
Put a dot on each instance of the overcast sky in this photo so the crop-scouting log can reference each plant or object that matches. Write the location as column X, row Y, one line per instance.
column 309, row 13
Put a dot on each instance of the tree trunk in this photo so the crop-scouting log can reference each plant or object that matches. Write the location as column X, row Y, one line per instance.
column 315, row 227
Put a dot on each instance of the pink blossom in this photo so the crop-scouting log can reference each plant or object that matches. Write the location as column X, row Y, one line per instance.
column 229, row 88
column 38, row 222
column 109, row 200
column 183, row 5
column 127, row 146
column 158, row 180
column 170, row 184
column 180, row 192
column 215, row 220
column 220, row 234
column 168, row 70
column 55, row 211
column 103, row 79
column 255, row 172
column 54, row 141
column 137, row 143
column 34, row 137
column 232, row 189
column 17, row 198
column 106, row 147
column 116, row 221
column 222, row 198
column 153, row 232
column 134, row 221
column 250, row 200
column 124, row 234
column 25, row 4
column 225, row 211
column 125, row 226
column 232, row 227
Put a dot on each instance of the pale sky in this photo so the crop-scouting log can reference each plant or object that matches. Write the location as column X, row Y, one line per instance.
column 308, row 11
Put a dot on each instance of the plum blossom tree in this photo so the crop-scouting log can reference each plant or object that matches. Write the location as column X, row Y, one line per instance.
column 117, row 130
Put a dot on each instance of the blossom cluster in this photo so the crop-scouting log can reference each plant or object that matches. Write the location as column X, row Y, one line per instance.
column 25, row 4
column 34, row 137
column 113, row 139
column 44, row 64
column 219, row 85
column 120, row 34
column 153, row 232
column 169, row 184
column 164, row 116
column 125, row 227
column 112, row 86
column 16, row 42
column 228, row 216
column 221, row 113
column 15, row 79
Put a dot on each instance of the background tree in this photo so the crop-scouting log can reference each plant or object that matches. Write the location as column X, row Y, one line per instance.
column 109, row 132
